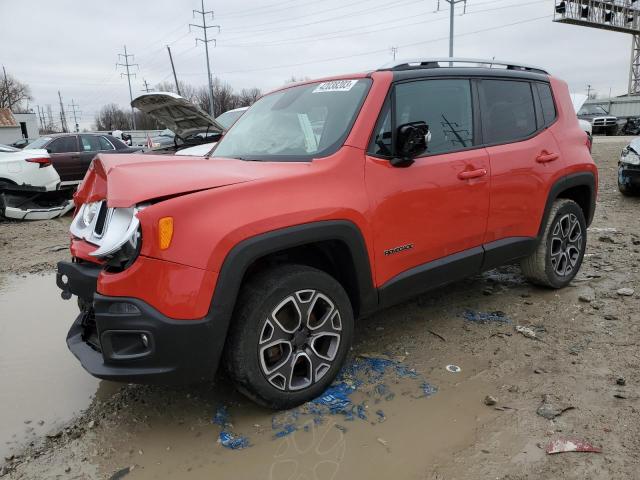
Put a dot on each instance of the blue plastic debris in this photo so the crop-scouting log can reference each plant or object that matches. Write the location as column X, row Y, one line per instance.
column 428, row 389
column 336, row 398
column 381, row 416
column 485, row 317
column 233, row 442
column 221, row 417
column 289, row 428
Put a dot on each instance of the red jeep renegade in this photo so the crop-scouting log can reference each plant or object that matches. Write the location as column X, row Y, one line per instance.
column 326, row 201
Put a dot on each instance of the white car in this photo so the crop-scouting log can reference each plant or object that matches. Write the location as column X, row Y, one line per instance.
column 27, row 170
column 29, row 185
column 578, row 100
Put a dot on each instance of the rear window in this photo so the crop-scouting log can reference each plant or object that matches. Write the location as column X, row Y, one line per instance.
column 546, row 101
column 64, row 145
column 508, row 111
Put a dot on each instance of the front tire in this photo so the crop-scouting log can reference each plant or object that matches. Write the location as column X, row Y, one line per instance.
column 559, row 255
column 291, row 332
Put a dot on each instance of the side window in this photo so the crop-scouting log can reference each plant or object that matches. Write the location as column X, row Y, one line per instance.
column 508, row 111
column 546, row 100
column 89, row 143
column 444, row 105
column 381, row 143
column 105, row 144
column 64, row 145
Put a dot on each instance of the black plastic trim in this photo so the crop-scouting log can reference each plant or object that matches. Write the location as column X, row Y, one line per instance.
column 573, row 180
column 507, row 250
column 248, row 251
column 431, row 275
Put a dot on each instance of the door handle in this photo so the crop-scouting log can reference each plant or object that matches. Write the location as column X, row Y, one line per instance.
column 469, row 174
column 546, row 157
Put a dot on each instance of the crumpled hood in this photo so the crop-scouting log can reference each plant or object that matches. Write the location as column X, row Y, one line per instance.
column 126, row 180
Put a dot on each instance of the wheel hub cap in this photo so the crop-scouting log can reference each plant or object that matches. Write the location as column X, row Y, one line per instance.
column 299, row 340
column 566, row 245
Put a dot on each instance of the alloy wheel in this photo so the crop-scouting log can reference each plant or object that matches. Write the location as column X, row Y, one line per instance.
column 299, row 341
column 566, row 245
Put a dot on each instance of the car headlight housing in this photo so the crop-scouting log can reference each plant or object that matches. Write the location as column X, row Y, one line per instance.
column 115, row 231
column 629, row 157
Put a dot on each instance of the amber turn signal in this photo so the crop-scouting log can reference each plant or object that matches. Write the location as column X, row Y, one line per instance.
column 165, row 232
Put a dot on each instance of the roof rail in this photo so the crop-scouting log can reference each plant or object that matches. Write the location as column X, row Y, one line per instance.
column 420, row 63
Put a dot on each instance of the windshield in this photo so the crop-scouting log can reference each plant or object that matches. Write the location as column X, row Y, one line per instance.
column 39, row 143
column 296, row 124
column 166, row 133
column 228, row 118
column 6, row 148
column 593, row 110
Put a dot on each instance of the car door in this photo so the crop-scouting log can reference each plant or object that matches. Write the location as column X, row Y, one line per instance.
column 524, row 158
column 65, row 158
column 428, row 219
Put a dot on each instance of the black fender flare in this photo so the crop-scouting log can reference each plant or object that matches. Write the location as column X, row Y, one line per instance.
column 587, row 179
column 248, row 251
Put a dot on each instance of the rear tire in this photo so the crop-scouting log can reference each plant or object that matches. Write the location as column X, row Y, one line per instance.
column 291, row 332
column 558, row 256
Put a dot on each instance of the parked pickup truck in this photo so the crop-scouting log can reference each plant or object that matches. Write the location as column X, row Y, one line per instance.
column 600, row 119
column 327, row 200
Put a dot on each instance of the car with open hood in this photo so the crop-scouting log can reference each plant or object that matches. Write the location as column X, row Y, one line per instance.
column 186, row 124
column 328, row 200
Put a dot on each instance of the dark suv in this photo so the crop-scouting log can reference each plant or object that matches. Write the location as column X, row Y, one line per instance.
column 71, row 153
column 326, row 201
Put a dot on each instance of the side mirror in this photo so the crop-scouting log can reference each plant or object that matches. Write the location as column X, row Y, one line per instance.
column 411, row 141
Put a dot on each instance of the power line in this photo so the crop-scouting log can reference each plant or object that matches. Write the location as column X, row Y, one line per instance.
column 385, row 50
column 128, row 74
column 204, row 27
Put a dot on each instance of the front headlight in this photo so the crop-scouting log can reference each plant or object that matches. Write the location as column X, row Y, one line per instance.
column 115, row 231
column 630, row 157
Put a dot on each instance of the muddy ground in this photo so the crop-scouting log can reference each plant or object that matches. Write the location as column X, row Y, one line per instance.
column 417, row 420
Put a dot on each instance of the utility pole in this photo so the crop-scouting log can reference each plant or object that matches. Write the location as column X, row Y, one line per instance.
column 206, row 41
column 146, row 88
column 49, row 117
column 588, row 92
column 173, row 68
column 6, row 87
column 40, row 117
column 128, row 74
column 73, row 107
column 63, row 117
column 394, row 51
column 452, row 7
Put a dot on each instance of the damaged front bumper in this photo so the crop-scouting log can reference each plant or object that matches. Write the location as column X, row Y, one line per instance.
column 26, row 204
column 125, row 339
column 629, row 175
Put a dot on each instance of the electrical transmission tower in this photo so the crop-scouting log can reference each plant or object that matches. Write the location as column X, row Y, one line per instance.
column 394, row 52
column 63, row 117
column 621, row 16
column 146, row 88
column 74, row 110
column 206, row 41
column 452, row 8
column 128, row 74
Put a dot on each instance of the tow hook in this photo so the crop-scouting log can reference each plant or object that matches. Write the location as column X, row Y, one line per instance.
column 63, row 282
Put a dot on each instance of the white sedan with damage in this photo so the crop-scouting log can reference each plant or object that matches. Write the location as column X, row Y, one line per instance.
column 29, row 185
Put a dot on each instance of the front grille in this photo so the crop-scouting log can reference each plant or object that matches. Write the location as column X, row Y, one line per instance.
column 90, row 329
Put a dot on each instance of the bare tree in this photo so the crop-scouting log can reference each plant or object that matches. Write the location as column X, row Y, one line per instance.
column 14, row 93
column 248, row 96
column 112, row 117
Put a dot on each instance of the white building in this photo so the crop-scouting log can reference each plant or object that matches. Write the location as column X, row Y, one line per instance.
column 14, row 126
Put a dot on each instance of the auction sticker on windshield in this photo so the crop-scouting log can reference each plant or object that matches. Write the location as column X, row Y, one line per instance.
column 335, row 86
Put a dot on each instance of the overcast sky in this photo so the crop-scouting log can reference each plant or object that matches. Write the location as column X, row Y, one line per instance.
column 73, row 46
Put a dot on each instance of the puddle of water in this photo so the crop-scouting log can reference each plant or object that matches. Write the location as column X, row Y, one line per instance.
column 42, row 383
column 180, row 441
